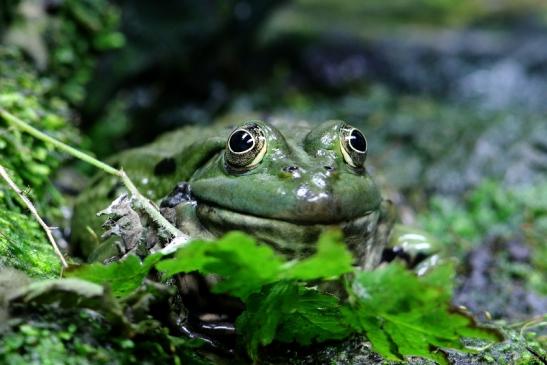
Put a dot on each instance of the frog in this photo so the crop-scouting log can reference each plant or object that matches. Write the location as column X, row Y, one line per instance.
column 284, row 182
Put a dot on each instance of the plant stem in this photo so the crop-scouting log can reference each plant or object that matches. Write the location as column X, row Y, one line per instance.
column 34, row 212
column 12, row 119
column 144, row 202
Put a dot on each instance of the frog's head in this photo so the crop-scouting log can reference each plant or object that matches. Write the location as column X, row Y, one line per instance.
column 287, row 189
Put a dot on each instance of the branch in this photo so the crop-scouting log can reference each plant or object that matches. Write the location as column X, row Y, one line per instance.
column 34, row 212
column 144, row 202
column 13, row 120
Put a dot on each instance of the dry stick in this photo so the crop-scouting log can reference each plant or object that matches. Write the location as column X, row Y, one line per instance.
column 144, row 202
column 34, row 212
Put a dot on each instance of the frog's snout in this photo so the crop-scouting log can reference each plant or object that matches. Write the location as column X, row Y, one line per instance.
column 317, row 207
column 317, row 197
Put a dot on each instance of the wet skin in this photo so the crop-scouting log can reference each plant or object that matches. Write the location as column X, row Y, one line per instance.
column 281, row 182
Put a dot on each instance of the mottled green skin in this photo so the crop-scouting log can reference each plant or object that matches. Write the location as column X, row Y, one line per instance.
column 286, row 209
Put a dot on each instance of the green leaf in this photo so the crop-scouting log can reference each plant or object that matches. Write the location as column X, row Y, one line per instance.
column 244, row 265
column 288, row 312
column 258, row 323
column 407, row 315
column 331, row 260
column 68, row 294
column 313, row 317
column 123, row 276
column 192, row 257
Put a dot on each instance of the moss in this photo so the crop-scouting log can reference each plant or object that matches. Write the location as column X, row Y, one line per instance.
column 26, row 95
column 61, row 342
column 23, row 245
column 30, row 163
column 79, row 337
column 514, row 350
column 74, row 32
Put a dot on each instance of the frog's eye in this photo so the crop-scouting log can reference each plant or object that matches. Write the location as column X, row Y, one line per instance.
column 353, row 145
column 246, row 146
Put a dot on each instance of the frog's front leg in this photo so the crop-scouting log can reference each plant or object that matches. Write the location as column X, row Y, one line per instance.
column 207, row 316
column 179, row 207
column 414, row 247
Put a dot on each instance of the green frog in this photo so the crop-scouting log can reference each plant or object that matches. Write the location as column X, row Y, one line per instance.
column 281, row 181
column 284, row 182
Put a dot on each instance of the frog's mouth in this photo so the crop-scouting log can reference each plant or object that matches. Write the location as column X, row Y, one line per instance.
column 290, row 237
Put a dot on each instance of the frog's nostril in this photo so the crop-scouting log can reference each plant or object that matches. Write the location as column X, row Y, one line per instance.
column 329, row 168
column 290, row 169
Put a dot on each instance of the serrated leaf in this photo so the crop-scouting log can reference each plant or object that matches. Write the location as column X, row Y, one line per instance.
column 244, row 265
column 380, row 339
column 68, row 294
column 192, row 257
column 288, row 312
column 123, row 276
column 314, row 317
column 412, row 312
column 331, row 260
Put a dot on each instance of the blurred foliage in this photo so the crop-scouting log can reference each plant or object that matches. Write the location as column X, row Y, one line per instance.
column 494, row 210
column 76, row 34
column 29, row 97
column 362, row 17
column 7, row 13
column 206, row 51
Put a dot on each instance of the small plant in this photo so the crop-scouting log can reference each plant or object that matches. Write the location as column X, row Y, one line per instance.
column 400, row 313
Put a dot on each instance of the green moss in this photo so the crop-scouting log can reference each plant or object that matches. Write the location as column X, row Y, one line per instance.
column 73, row 36
column 25, row 95
column 30, row 164
column 79, row 337
column 61, row 342
column 23, row 245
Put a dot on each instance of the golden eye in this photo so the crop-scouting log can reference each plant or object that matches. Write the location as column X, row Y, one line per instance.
column 353, row 145
column 245, row 147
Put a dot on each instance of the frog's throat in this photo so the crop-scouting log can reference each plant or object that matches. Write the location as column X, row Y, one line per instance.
column 296, row 238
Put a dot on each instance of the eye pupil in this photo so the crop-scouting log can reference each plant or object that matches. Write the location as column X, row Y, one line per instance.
column 357, row 141
column 241, row 141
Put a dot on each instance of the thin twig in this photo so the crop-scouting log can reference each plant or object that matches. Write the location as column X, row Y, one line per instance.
column 12, row 119
column 144, row 202
column 34, row 212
